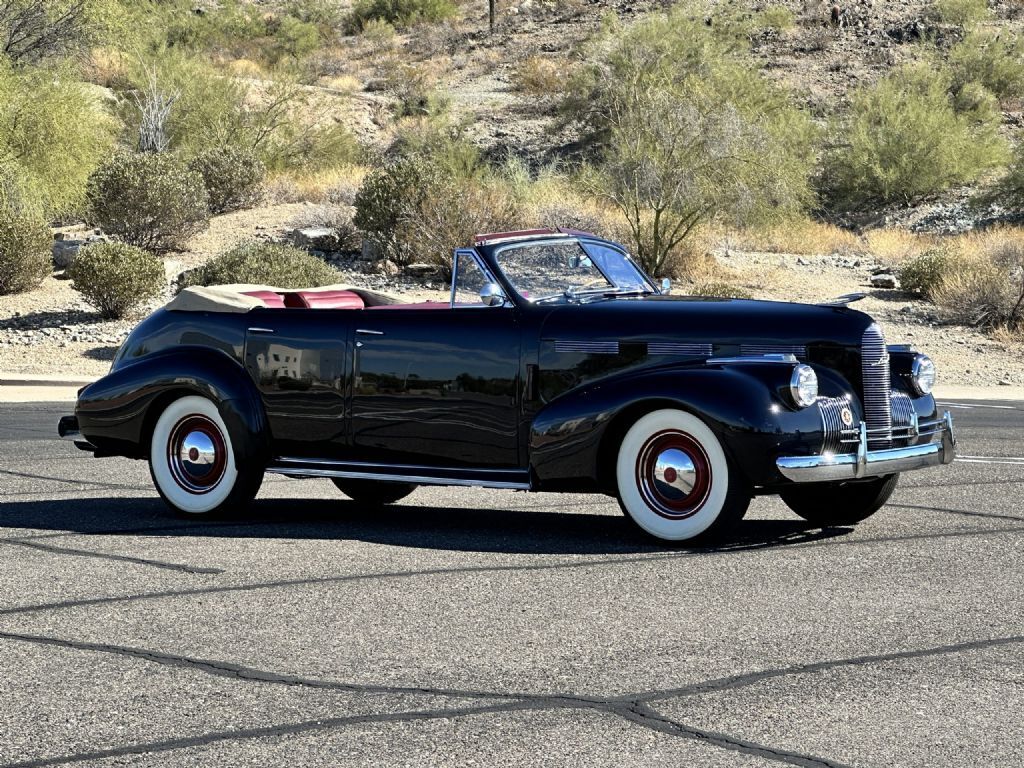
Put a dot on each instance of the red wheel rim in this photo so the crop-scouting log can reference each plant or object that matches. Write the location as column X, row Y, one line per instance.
column 673, row 474
column 196, row 454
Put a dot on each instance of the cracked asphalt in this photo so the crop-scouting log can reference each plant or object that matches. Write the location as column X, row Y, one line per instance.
column 473, row 627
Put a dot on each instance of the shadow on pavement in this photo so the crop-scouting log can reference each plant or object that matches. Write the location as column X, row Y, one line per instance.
column 442, row 528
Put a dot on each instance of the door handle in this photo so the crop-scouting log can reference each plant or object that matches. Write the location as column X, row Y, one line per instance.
column 367, row 332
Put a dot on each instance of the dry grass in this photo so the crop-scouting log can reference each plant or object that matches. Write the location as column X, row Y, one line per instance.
column 346, row 84
column 337, row 186
column 540, row 76
column 801, row 236
column 106, row 67
column 893, row 246
column 247, row 68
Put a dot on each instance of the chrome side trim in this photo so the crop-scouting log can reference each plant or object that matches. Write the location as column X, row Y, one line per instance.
column 751, row 350
column 827, row 467
column 776, row 359
column 588, row 347
column 680, row 348
column 417, row 479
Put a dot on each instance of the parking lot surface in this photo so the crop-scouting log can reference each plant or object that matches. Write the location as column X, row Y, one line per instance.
column 474, row 627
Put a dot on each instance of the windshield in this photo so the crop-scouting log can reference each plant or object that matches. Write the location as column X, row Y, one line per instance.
column 570, row 270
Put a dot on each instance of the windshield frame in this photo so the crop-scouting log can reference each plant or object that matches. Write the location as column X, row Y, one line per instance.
column 647, row 284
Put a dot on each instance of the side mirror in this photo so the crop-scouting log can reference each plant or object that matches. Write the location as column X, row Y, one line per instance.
column 492, row 295
column 666, row 286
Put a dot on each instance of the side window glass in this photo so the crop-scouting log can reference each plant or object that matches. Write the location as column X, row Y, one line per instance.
column 469, row 280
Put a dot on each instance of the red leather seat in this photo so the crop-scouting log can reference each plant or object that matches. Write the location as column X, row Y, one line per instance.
column 269, row 298
column 323, row 300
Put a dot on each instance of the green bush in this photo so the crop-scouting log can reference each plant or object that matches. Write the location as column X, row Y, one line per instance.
column 150, row 200
column 116, row 278
column 281, row 266
column 25, row 247
column 925, row 273
column 688, row 130
column 995, row 61
column 401, row 12
column 296, row 38
column 53, row 133
column 965, row 13
column 902, row 140
column 232, row 177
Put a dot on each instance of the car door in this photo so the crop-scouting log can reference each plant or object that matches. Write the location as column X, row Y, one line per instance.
column 301, row 363
column 438, row 386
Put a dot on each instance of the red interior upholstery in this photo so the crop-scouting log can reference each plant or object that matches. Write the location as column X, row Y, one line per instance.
column 269, row 298
column 323, row 300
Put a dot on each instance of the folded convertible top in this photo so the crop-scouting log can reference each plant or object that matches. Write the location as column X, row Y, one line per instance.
column 240, row 298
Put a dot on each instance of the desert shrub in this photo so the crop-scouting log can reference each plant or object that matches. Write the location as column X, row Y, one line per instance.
column 419, row 210
column 379, row 35
column 281, row 266
column 777, row 17
column 117, row 278
column 53, row 133
column 33, row 30
column 986, row 290
column 995, row 61
column 25, row 243
column 925, row 273
column 719, row 289
column 540, row 76
column 965, row 13
column 688, row 131
column 902, row 140
column 296, row 38
column 149, row 200
column 401, row 12
column 232, row 177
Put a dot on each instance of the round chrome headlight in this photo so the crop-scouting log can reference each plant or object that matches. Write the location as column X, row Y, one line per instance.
column 803, row 385
column 922, row 374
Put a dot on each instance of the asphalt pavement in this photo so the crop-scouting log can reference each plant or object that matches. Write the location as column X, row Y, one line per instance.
column 493, row 628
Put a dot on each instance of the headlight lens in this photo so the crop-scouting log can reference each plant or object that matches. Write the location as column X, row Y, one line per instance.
column 922, row 374
column 803, row 385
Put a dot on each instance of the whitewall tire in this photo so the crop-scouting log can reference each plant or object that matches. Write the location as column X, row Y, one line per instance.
column 192, row 460
column 675, row 480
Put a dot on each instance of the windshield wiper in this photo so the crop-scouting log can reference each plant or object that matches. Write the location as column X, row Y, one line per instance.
column 629, row 292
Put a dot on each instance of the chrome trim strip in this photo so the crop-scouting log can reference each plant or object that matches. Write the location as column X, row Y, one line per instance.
column 867, row 463
column 417, row 479
column 680, row 348
column 754, row 359
column 754, row 350
column 368, row 332
column 588, row 347
column 261, row 330
column 411, row 468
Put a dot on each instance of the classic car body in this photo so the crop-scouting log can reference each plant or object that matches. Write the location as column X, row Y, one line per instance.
column 682, row 407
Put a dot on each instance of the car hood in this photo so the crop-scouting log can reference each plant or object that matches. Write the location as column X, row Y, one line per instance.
column 724, row 323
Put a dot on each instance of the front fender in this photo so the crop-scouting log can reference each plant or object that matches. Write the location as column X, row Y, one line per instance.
column 116, row 413
column 745, row 406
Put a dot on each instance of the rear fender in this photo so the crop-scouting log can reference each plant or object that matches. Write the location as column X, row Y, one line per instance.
column 574, row 439
column 117, row 413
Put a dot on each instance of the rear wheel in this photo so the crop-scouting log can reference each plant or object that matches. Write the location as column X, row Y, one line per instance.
column 192, row 460
column 845, row 503
column 374, row 493
column 675, row 480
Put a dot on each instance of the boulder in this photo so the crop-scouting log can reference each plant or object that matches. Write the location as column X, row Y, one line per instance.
column 883, row 281
column 317, row 239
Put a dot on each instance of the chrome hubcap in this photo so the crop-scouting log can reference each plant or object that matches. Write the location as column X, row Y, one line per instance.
column 674, row 474
column 196, row 454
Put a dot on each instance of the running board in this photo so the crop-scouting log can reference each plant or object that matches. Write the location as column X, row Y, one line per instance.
column 513, row 479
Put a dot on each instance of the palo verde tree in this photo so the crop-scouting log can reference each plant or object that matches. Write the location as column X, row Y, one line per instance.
column 686, row 131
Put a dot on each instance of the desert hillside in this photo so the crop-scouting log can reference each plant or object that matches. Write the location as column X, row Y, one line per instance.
column 787, row 150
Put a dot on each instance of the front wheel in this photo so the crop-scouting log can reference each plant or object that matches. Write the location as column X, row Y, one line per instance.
column 374, row 493
column 192, row 460
column 675, row 480
column 844, row 503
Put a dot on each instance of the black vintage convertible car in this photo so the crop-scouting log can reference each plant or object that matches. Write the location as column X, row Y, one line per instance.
column 557, row 365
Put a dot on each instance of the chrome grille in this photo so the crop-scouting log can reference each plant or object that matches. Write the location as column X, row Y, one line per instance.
column 587, row 347
column 831, row 423
column 902, row 410
column 680, row 348
column 874, row 361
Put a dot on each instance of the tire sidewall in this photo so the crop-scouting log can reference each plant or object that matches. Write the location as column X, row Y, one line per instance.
column 631, row 497
column 175, row 495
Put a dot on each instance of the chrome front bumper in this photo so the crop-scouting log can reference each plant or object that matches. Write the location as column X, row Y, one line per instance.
column 868, row 463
